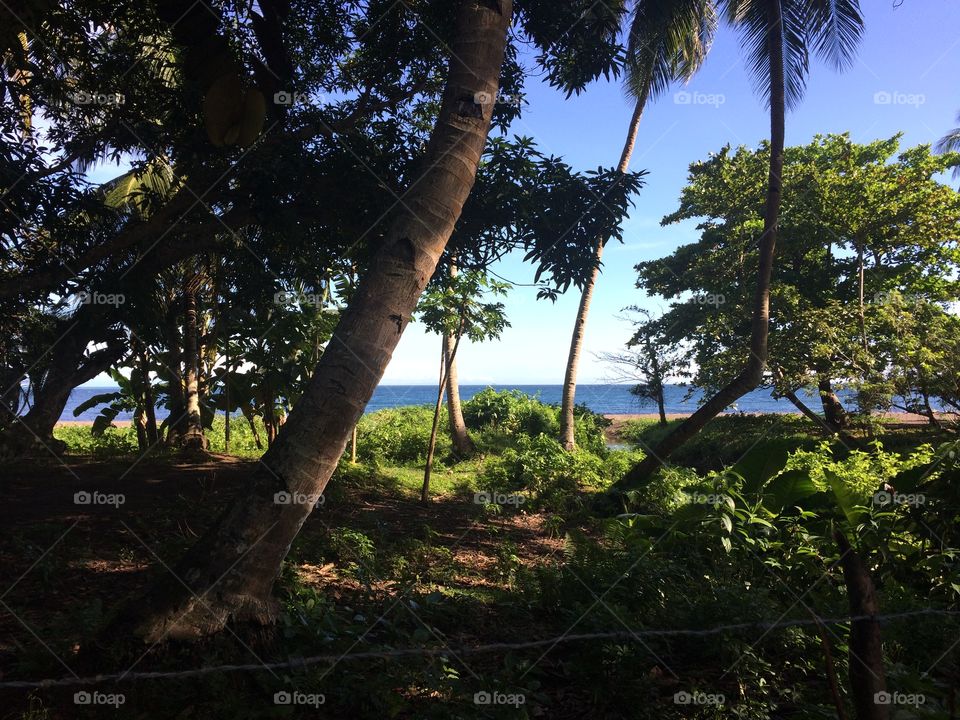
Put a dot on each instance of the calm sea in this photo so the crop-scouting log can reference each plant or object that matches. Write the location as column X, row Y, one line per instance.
column 607, row 399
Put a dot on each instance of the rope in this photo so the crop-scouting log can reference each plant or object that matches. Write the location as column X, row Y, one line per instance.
column 470, row 650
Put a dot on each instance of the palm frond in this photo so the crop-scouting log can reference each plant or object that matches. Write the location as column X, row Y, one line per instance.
column 668, row 41
column 135, row 189
column 753, row 18
column 950, row 143
column 836, row 28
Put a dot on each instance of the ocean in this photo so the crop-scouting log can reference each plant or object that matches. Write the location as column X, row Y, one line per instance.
column 606, row 399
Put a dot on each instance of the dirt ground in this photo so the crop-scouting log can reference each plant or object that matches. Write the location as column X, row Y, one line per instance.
column 59, row 556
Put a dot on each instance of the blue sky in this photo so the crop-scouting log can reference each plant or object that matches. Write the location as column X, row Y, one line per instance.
column 910, row 56
column 911, row 52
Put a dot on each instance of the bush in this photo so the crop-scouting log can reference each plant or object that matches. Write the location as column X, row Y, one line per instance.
column 507, row 415
column 114, row 442
column 727, row 438
column 400, row 435
column 540, row 467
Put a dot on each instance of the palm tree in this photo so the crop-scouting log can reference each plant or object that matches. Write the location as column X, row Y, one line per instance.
column 951, row 143
column 241, row 555
column 668, row 41
column 779, row 36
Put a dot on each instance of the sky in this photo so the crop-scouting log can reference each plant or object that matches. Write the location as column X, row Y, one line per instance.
column 906, row 79
column 910, row 55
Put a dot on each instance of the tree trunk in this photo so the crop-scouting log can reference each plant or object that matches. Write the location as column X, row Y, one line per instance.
column 149, row 402
column 833, row 410
column 174, row 371
column 252, row 422
column 193, row 438
column 229, row 573
column 69, row 367
column 867, row 675
column 657, row 380
column 752, row 373
column 567, row 421
column 462, row 444
column 431, row 449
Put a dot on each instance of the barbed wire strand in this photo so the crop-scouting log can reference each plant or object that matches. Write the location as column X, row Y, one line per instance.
column 302, row 663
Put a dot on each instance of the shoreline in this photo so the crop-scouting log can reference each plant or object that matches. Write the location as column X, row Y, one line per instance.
column 618, row 419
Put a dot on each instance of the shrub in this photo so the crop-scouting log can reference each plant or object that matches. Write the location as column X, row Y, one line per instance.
column 506, row 415
column 553, row 477
column 400, row 435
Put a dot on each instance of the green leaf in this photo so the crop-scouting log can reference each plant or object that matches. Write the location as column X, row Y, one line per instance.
column 96, row 400
column 846, row 500
column 761, row 464
column 787, row 489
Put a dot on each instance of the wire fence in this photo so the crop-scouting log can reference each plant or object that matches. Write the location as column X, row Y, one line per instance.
column 304, row 662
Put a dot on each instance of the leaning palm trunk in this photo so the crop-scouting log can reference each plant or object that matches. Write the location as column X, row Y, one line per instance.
column 462, row 444
column 567, row 421
column 833, row 409
column 434, row 428
column 229, row 573
column 752, row 373
column 193, row 435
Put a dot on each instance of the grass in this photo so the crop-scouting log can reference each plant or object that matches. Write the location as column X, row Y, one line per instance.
column 374, row 568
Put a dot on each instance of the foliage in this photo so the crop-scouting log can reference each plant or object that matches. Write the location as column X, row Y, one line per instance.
column 847, row 208
column 400, row 435
column 507, row 415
